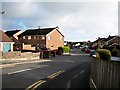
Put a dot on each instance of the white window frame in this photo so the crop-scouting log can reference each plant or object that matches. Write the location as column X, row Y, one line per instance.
column 29, row 37
column 60, row 38
column 23, row 37
column 43, row 38
column 49, row 37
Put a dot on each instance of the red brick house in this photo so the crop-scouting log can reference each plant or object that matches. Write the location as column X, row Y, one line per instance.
column 35, row 39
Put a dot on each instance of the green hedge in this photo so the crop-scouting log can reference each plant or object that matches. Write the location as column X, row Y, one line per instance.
column 104, row 54
column 66, row 49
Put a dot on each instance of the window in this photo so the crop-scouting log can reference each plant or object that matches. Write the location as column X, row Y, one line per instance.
column 29, row 37
column 42, row 37
column 52, row 45
column 49, row 37
column 23, row 37
column 61, row 38
column 34, row 37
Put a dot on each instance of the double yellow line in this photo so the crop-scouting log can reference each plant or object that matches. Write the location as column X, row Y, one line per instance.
column 55, row 74
column 38, row 83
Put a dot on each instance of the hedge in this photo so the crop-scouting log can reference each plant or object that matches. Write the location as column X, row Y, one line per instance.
column 65, row 49
column 104, row 54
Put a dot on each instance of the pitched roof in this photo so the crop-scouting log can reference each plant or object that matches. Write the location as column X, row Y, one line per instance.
column 4, row 37
column 11, row 33
column 43, row 31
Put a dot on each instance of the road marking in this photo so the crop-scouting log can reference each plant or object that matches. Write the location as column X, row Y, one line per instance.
column 38, row 85
column 69, row 82
column 23, row 70
column 33, row 85
column 93, row 83
column 18, row 71
column 55, row 74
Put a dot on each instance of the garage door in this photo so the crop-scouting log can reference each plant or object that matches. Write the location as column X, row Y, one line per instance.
column 6, row 47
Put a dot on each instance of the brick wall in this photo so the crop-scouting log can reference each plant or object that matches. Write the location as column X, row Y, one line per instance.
column 33, row 41
column 18, row 55
column 55, row 40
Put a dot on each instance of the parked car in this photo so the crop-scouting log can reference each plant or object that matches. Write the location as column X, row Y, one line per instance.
column 87, row 51
column 92, row 52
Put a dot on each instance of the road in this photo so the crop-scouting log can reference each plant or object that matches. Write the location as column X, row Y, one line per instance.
column 67, row 71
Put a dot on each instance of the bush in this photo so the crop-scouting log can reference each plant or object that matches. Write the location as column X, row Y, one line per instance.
column 66, row 49
column 114, row 52
column 97, row 56
column 60, row 51
column 104, row 54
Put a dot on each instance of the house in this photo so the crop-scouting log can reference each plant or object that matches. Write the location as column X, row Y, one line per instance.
column 113, row 41
column 13, row 34
column 6, row 44
column 35, row 39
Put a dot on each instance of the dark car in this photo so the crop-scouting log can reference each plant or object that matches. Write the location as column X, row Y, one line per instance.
column 92, row 52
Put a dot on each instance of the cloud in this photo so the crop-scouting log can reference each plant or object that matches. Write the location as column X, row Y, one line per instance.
column 77, row 20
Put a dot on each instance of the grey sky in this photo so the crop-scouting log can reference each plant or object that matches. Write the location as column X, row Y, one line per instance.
column 78, row 21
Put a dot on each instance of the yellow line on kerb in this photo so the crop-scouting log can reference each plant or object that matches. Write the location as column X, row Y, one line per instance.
column 38, row 83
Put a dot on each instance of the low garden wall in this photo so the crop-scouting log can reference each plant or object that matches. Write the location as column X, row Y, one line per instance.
column 19, row 55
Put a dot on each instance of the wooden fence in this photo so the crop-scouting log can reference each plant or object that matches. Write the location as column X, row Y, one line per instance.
column 105, row 74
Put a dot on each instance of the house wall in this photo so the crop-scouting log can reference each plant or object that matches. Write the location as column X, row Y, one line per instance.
column 35, row 41
column 0, row 46
column 54, row 41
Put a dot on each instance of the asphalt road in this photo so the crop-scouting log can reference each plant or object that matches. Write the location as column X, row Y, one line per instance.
column 67, row 71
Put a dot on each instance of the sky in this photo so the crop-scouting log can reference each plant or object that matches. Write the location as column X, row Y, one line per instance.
column 78, row 21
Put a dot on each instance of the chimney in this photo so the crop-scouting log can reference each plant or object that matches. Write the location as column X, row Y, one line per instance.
column 38, row 27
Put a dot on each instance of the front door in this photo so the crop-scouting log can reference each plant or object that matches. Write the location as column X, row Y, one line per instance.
column 6, row 47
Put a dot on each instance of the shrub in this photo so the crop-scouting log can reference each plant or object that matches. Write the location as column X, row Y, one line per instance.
column 66, row 49
column 60, row 51
column 97, row 56
column 114, row 52
column 104, row 54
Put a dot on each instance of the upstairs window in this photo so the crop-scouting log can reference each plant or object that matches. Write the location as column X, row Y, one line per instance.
column 35, row 37
column 23, row 37
column 29, row 37
column 61, row 38
column 42, row 37
column 49, row 37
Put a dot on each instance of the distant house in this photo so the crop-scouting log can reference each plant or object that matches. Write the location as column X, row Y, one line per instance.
column 35, row 39
column 6, row 44
column 111, row 41
column 114, row 41
column 13, row 34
